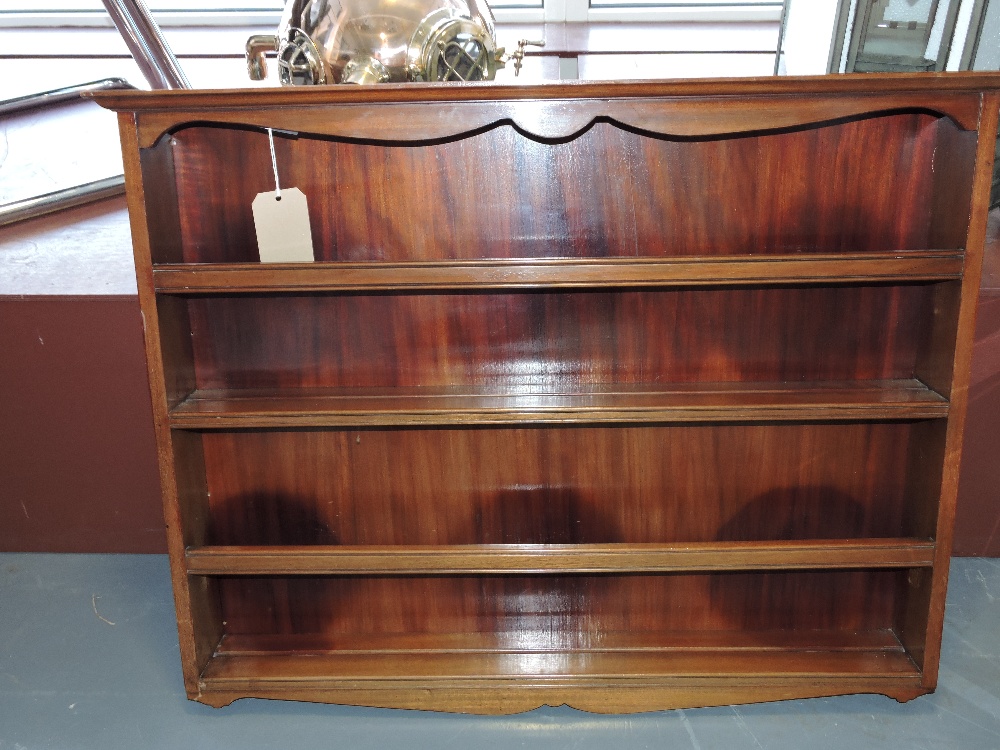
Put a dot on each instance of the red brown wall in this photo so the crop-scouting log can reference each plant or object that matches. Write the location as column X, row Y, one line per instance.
column 77, row 457
column 977, row 526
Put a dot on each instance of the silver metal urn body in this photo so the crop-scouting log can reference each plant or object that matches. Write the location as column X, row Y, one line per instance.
column 380, row 41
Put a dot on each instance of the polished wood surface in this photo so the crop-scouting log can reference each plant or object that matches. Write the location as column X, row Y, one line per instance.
column 560, row 339
column 916, row 265
column 620, row 674
column 698, row 402
column 624, row 396
column 568, row 609
column 573, row 485
column 646, row 197
column 565, row 558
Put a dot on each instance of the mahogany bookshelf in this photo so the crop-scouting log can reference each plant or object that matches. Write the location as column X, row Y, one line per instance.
column 628, row 396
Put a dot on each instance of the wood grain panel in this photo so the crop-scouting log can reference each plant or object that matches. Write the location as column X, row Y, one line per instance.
column 557, row 486
column 677, row 641
column 162, row 217
column 560, row 612
column 560, row 339
column 609, row 192
column 598, row 663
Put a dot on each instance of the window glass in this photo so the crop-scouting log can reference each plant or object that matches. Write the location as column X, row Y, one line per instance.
column 707, row 7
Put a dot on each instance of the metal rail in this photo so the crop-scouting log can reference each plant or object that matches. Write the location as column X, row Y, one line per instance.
column 142, row 36
column 782, row 28
column 59, row 200
column 79, row 195
column 158, row 66
column 59, row 96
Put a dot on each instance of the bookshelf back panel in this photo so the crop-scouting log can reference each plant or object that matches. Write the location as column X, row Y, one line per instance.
column 608, row 192
column 560, row 612
column 572, row 485
column 560, row 339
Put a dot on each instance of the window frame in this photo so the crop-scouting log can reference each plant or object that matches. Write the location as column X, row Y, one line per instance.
column 74, row 13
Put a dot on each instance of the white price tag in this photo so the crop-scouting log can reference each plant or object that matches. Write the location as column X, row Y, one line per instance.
column 282, row 224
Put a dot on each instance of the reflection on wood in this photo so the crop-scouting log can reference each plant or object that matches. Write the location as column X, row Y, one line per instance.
column 500, row 194
column 559, row 340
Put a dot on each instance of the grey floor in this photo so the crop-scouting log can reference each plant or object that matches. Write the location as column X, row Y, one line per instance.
column 88, row 659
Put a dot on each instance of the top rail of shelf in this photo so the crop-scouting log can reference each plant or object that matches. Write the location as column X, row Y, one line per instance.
column 921, row 265
column 563, row 109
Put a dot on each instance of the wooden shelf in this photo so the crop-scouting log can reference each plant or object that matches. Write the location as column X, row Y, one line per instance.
column 712, row 402
column 805, row 268
column 534, row 635
column 549, row 558
column 712, row 311
column 467, row 672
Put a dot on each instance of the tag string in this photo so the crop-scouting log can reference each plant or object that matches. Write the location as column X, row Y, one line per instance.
column 274, row 165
